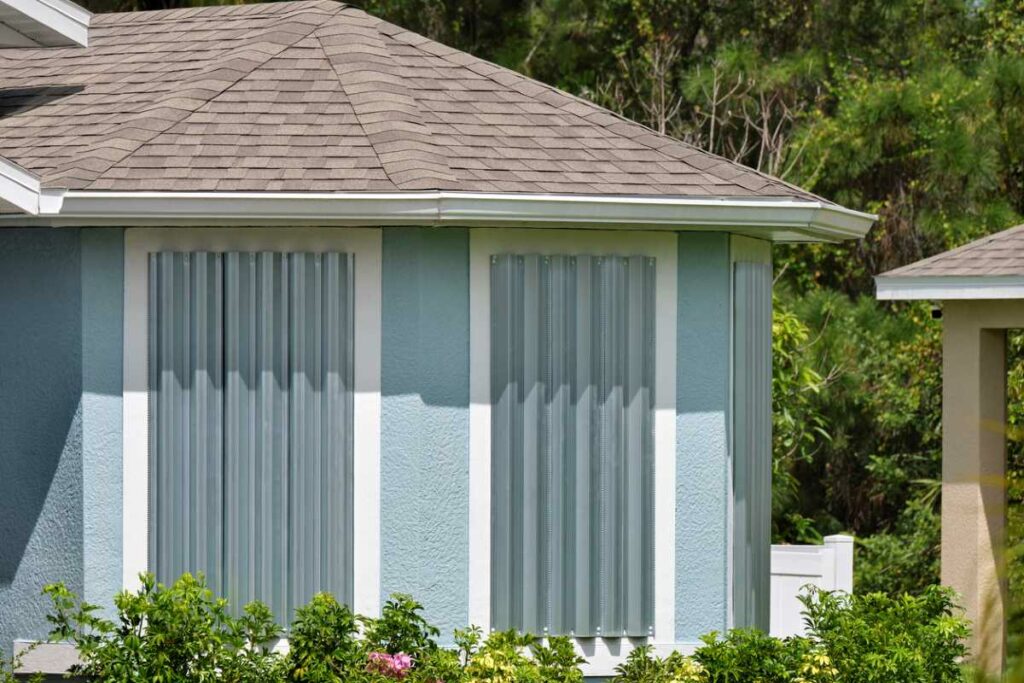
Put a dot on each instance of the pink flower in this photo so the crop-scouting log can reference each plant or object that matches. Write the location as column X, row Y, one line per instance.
column 393, row 666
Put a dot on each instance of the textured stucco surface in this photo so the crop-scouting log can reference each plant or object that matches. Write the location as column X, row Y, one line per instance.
column 40, row 424
column 702, row 479
column 425, row 421
column 60, row 422
column 102, row 352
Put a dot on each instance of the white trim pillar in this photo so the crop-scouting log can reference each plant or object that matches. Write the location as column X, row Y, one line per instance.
column 973, row 474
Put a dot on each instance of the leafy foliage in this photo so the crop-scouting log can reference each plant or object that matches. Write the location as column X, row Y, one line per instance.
column 874, row 638
column 401, row 628
column 869, row 638
column 165, row 634
column 904, row 558
column 184, row 634
column 323, row 643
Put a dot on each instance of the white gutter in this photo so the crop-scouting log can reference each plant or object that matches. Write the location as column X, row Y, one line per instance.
column 777, row 219
column 50, row 23
column 949, row 287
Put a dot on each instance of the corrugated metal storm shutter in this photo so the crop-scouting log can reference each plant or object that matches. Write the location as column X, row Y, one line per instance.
column 572, row 382
column 251, row 368
column 752, row 429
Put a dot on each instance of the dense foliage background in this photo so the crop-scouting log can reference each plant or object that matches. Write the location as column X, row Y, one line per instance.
column 911, row 109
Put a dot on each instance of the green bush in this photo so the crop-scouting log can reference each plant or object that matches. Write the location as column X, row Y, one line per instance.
column 872, row 638
column 168, row 634
column 183, row 633
column 179, row 633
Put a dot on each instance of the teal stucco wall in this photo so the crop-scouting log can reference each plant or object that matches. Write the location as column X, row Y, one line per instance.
column 425, row 420
column 702, row 435
column 40, row 424
column 102, row 353
column 61, row 294
column 60, row 420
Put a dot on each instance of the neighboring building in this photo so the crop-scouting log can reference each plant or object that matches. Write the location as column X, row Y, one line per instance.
column 980, row 288
column 302, row 300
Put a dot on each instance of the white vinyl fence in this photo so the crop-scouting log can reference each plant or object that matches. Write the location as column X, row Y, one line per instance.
column 828, row 566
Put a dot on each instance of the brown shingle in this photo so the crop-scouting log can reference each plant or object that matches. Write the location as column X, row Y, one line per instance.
column 1001, row 254
column 315, row 95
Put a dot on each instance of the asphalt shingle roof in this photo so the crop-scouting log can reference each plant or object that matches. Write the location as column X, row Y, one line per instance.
column 318, row 96
column 1001, row 254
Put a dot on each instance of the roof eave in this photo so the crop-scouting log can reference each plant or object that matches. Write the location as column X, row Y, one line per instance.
column 778, row 219
column 52, row 23
column 19, row 187
column 949, row 287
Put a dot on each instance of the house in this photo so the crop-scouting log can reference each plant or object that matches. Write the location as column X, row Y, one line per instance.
column 979, row 289
column 305, row 301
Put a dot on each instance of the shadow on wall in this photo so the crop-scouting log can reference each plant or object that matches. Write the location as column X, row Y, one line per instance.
column 40, row 428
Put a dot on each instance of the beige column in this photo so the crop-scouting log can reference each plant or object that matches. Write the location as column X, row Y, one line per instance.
column 973, row 473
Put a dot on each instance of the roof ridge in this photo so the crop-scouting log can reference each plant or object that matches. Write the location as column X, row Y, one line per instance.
column 670, row 147
column 171, row 116
column 403, row 144
column 341, row 85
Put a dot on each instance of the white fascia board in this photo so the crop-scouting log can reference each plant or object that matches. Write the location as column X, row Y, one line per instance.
column 774, row 219
column 19, row 187
column 52, row 23
column 949, row 287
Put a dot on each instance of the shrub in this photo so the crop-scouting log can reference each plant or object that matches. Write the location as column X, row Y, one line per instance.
column 877, row 638
column 164, row 634
column 182, row 633
column 401, row 628
column 904, row 558
column 642, row 667
column 323, row 644
column 872, row 638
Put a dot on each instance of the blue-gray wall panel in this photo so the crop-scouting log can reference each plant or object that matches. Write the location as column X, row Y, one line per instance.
column 702, row 435
column 102, row 353
column 425, row 420
column 752, row 437
column 40, row 424
column 549, row 524
column 251, row 371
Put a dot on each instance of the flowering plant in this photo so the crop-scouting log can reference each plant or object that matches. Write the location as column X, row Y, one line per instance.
column 393, row 666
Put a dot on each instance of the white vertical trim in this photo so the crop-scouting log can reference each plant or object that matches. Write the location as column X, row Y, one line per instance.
column 367, row 406
column 135, row 458
column 479, row 430
column 730, row 460
column 663, row 246
column 667, row 252
column 365, row 245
